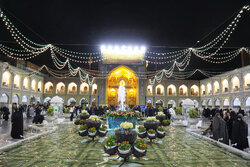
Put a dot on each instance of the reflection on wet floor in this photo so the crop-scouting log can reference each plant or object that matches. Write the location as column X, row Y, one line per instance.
column 65, row 148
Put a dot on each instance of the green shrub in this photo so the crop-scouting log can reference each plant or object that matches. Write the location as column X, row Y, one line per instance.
column 66, row 111
column 178, row 110
column 193, row 113
column 50, row 111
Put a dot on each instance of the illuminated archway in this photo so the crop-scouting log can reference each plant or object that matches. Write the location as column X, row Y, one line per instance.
column 72, row 88
column 224, row 86
column 216, row 87
column 209, row 89
column 246, row 81
column 26, row 83
column 33, row 85
column 17, row 82
column 159, row 89
column 194, row 91
column 203, row 90
column 60, row 88
column 235, row 84
column 183, row 90
column 150, row 90
column 171, row 90
column 84, row 88
column 125, row 76
column 6, row 79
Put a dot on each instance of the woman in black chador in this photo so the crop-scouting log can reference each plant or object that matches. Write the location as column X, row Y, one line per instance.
column 220, row 132
column 239, row 134
column 17, row 122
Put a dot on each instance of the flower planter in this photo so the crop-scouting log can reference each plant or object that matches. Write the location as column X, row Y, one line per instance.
column 123, row 135
column 151, row 125
column 83, row 132
column 142, row 135
column 110, row 150
column 77, row 123
column 179, row 117
column 91, row 134
column 84, row 116
column 124, row 151
column 91, row 124
column 151, row 136
column 139, row 150
column 139, row 154
column 165, row 124
column 160, row 134
column 160, row 118
column 193, row 121
column 102, row 133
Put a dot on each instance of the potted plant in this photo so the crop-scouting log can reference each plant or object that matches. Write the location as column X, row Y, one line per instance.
column 166, row 122
column 50, row 111
column 178, row 112
column 82, row 121
column 151, row 134
column 193, row 116
column 92, row 132
column 110, row 145
column 83, row 130
column 142, row 133
column 160, row 132
column 77, row 121
column 93, row 121
column 124, row 147
column 140, row 146
column 84, row 114
column 125, row 133
column 102, row 131
column 160, row 116
column 151, row 123
column 67, row 111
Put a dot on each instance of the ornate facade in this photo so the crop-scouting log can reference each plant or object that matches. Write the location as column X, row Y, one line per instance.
column 230, row 89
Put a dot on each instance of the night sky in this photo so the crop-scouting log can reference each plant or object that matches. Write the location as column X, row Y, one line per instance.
column 85, row 25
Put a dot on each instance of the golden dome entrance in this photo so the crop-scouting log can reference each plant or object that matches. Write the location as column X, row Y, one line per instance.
column 122, row 75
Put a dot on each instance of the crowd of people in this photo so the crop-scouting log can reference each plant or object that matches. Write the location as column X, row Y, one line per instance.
column 228, row 127
column 18, row 113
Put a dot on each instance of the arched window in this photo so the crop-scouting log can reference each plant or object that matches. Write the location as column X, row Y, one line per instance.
column 236, row 102
column 171, row 90
column 216, row 87
column 235, row 84
column 159, row 89
column 33, row 85
column 26, row 83
column 217, row 103
column 149, row 90
column 226, row 103
column 183, row 90
column 94, row 89
column 246, row 80
column 209, row 89
column 17, row 82
column 6, row 79
column 24, row 99
column 4, row 98
column 194, row 91
column 84, row 88
column 203, row 90
column 224, row 86
column 72, row 88
column 60, row 88
column 15, row 99
column 48, row 87
column 39, row 86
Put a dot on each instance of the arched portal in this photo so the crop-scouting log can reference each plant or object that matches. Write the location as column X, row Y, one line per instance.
column 127, row 77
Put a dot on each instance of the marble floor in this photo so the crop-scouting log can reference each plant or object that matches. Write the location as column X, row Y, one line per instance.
column 65, row 147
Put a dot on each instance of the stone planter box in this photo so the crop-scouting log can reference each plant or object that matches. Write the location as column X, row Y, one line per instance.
column 193, row 121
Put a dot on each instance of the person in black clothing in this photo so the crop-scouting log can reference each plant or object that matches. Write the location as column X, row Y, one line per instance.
column 240, row 133
column 38, row 118
column 6, row 113
column 17, row 122
column 220, row 132
column 229, row 121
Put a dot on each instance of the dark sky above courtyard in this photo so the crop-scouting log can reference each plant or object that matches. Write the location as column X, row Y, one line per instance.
column 170, row 23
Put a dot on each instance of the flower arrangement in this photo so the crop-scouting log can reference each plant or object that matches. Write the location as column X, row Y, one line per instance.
column 92, row 130
column 94, row 118
column 152, row 119
column 85, row 112
column 140, row 144
column 50, row 111
column 103, row 128
column 141, row 129
column 77, row 121
column 165, row 122
column 82, row 121
column 123, row 114
column 83, row 127
column 124, row 146
column 110, row 142
column 151, row 131
column 126, row 125
column 161, row 113
column 178, row 110
column 193, row 113
column 160, row 128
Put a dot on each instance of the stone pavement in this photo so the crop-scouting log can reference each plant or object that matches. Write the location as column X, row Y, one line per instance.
column 5, row 129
